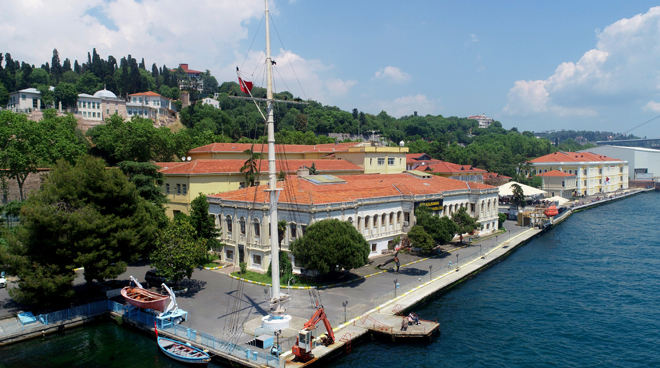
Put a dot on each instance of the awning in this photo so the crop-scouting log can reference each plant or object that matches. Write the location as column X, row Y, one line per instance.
column 505, row 190
column 559, row 200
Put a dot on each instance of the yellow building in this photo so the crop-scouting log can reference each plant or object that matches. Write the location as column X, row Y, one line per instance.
column 185, row 180
column 595, row 173
column 371, row 158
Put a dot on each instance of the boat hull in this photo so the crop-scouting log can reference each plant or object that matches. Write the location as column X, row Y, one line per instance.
column 145, row 299
column 171, row 347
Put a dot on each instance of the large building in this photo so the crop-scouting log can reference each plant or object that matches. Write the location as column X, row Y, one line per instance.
column 595, row 173
column 484, row 122
column 373, row 159
column 194, row 78
column 644, row 163
column 186, row 180
column 92, row 110
column 559, row 183
column 381, row 207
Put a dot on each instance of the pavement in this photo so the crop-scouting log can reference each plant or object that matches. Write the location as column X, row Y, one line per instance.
column 217, row 303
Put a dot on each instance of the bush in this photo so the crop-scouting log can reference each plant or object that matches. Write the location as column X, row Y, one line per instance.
column 501, row 217
column 243, row 266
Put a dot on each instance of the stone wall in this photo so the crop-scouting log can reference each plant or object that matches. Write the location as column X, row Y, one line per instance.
column 9, row 188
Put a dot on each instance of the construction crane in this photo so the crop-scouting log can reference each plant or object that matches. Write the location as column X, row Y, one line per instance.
column 305, row 341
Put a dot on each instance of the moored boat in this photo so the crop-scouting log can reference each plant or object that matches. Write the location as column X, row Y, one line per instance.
column 140, row 297
column 181, row 352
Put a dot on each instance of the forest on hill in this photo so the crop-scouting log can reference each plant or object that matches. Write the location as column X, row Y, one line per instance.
column 454, row 139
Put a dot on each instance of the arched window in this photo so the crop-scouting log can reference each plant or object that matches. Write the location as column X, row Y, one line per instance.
column 391, row 218
column 257, row 228
column 359, row 223
column 366, row 222
column 242, row 224
column 229, row 224
column 383, row 220
column 483, row 205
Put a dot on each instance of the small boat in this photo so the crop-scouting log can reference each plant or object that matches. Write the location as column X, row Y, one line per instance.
column 181, row 352
column 140, row 297
column 551, row 211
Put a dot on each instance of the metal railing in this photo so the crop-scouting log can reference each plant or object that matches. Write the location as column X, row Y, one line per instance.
column 75, row 312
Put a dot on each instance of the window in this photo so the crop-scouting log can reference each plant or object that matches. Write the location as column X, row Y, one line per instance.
column 406, row 217
column 175, row 212
column 303, row 229
column 373, row 247
column 107, row 111
column 85, row 104
column 22, row 97
column 35, row 103
column 563, row 184
column 600, row 171
column 381, row 161
column 229, row 254
column 84, row 114
column 167, row 188
column 116, row 111
column 471, row 207
column 293, row 229
column 178, row 189
column 256, row 259
column 185, row 189
column 94, row 114
column 229, row 224
column 585, row 183
column 257, row 228
column 242, row 223
column 390, row 161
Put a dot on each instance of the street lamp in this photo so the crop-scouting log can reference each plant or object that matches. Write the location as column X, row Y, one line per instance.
column 396, row 282
column 344, row 304
column 277, row 335
column 430, row 272
column 456, row 262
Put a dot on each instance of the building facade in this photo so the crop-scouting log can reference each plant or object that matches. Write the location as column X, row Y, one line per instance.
column 595, row 173
column 559, row 183
column 381, row 207
column 644, row 163
column 484, row 122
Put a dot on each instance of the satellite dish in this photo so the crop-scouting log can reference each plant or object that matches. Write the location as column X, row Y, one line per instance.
column 183, row 158
column 189, row 158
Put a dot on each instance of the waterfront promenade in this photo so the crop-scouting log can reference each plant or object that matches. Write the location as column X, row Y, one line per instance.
column 212, row 294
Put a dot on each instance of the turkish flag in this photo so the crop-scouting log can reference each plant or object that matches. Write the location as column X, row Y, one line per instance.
column 246, row 86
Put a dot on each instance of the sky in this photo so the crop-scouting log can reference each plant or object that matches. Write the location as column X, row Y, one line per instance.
column 533, row 65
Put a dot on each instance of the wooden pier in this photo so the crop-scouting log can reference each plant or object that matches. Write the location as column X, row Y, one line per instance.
column 390, row 326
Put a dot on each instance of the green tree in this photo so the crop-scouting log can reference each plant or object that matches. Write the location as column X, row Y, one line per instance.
column 38, row 77
column 66, row 94
column 250, row 167
column 87, row 83
column 518, row 196
column 419, row 238
column 465, row 222
column 312, row 170
column 47, row 96
column 441, row 229
column 4, row 95
column 83, row 216
column 204, row 223
column 501, row 217
column 177, row 251
column 148, row 180
column 331, row 245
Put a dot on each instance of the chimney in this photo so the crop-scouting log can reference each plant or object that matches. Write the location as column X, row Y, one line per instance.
column 302, row 171
column 184, row 66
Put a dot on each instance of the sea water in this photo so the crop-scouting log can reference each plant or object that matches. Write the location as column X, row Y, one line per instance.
column 584, row 294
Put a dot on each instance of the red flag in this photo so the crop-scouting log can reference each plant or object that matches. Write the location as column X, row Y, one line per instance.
column 246, row 86
column 156, row 328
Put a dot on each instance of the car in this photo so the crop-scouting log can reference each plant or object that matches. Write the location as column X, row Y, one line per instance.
column 152, row 278
column 3, row 282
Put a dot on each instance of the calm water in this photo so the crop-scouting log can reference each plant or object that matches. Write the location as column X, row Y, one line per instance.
column 101, row 345
column 585, row 294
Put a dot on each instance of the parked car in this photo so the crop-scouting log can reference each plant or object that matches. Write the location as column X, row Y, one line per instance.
column 3, row 281
column 152, row 278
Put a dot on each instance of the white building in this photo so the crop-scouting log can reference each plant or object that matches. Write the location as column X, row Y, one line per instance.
column 150, row 105
column 381, row 207
column 89, row 107
column 26, row 100
column 484, row 122
column 210, row 101
column 644, row 163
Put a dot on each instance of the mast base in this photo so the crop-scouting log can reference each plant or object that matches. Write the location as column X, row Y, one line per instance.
column 276, row 322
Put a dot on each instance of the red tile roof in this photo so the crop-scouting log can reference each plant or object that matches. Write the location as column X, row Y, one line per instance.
column 556, row 173
column 149, row 93
column 572, row 157
column 416, row 158
column 210, row 166
column 279, row 148
column 443, row 167
column 298, row 190
column 490, row 175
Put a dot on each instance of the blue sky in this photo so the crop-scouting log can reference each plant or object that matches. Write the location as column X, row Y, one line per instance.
column 535, row 65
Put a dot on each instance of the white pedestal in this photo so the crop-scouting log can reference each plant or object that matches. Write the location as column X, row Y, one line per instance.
column 276, row 322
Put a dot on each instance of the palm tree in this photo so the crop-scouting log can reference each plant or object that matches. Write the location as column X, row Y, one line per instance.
column 250, row 167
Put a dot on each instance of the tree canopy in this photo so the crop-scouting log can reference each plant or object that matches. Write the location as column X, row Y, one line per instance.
column 204, row 223
column 465, row 223
column 83, row 216
column 331, row 245
column 419, row 238
column 178, row 251
column 441, row 229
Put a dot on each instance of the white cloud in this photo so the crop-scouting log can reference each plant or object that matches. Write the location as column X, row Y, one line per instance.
column 291, row 73
column 621, row 70
column 407, row 105
column 472, row 39
column 162, row 31
column 392, row 74
column 652, row 106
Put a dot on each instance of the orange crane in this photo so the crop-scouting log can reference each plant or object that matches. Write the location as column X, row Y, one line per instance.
column 304, row 343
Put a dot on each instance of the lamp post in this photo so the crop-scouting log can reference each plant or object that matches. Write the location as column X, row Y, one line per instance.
column 396, row 282
column 277, row 335
column 456, row 262
column 288, row 284
column 430, row 272
column 344, row 304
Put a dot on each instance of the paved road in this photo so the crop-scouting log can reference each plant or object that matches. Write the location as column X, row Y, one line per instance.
column 212, row 296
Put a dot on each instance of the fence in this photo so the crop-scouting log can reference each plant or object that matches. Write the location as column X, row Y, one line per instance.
column 75, row 312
